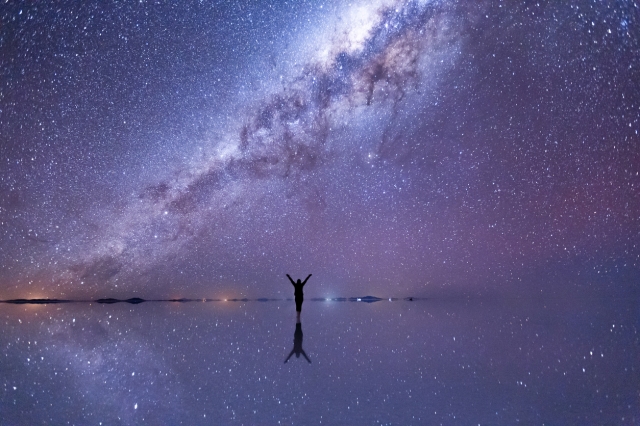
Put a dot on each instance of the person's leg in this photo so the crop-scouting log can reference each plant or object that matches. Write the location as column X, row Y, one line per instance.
column 298, row 309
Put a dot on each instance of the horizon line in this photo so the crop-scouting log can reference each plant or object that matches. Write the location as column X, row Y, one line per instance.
column 138, row 300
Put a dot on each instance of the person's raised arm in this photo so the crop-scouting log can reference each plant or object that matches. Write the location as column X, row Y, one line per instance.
column 292, row 282
column 305, row 280
column 304, row 355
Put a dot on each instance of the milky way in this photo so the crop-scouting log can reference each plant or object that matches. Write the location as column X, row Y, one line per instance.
column 390, row 147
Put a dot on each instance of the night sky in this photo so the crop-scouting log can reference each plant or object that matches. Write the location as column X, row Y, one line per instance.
column 393, row 148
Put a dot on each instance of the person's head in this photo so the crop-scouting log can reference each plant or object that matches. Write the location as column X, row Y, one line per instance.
column 299, row 282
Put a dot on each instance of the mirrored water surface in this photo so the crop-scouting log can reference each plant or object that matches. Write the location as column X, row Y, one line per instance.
column 428, row 361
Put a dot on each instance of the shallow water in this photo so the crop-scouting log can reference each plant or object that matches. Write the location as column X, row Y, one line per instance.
column 449, row 361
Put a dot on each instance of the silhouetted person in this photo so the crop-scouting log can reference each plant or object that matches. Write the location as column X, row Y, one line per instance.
column 299, row 295
column 297, row 343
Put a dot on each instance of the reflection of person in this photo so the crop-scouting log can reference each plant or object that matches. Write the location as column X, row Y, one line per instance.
column 299, row 295
column 297, row 343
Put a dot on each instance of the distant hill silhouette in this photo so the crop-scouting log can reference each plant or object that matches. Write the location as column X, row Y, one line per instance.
column 36, row 301
column 138, row 300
